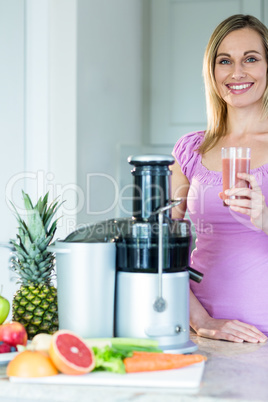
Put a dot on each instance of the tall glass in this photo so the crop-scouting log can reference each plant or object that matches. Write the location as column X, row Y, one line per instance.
column 234, row 160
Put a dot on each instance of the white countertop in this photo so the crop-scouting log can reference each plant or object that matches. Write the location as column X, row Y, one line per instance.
column 233, row 372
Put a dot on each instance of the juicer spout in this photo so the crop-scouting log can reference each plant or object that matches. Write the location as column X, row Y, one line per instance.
column 194, row 274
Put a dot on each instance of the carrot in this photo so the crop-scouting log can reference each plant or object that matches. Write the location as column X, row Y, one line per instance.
column 150, row 361
column 162, row 355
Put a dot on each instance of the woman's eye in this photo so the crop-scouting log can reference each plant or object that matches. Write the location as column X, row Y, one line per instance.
column 224, row 61
column 251, row 60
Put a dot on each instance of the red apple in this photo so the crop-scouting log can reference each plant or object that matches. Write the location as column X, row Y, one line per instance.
column 5, row 348
column 13, row 333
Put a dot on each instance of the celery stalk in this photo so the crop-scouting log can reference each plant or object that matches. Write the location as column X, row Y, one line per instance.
column 128, row 342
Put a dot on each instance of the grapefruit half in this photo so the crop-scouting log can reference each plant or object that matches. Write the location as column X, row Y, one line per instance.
column 70, row 354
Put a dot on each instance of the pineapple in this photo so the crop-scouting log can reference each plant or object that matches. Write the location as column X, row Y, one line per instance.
column 35, row 303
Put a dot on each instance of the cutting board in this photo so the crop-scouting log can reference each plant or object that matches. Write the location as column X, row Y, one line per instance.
column 186, row 378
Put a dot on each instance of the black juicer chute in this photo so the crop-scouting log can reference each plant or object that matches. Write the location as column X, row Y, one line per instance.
column 138, row 244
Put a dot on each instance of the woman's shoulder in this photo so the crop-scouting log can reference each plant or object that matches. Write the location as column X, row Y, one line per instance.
column 185, row 150
column 189, row 142
column 187, row 145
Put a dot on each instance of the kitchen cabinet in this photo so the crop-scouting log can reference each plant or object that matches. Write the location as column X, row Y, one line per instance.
column 178, row 33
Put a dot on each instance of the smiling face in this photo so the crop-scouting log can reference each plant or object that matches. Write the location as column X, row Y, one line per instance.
column 241, row 68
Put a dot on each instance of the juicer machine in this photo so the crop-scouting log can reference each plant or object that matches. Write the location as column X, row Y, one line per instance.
column 151, row 291
column 152, row 281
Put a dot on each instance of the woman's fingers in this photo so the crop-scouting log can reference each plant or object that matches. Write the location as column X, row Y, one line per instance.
column 215, row 334
column 251, row 179
column 232, row 330
column 221, row 195
column 250, row 330
column 252, row 193
column 249, row 201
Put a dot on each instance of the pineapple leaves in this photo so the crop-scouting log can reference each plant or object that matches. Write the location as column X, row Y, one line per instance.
column 41, row 204
column 32, row 262
column 27, row 201
column 20, row 221
column 35, row 225
column 47, row 217
column 39, row 217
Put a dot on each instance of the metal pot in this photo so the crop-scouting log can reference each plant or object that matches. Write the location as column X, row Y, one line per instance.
column 86, row 286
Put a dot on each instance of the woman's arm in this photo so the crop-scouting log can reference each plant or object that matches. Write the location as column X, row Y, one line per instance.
column 229, row 330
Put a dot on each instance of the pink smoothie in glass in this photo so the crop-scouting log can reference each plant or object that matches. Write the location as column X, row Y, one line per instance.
column 229, row 174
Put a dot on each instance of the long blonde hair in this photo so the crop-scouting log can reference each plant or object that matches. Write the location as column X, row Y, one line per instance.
column 216, row 106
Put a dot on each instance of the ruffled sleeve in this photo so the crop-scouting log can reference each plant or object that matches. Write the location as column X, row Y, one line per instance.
column 185, row 152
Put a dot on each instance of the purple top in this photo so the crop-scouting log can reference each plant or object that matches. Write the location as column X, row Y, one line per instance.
column 230, row 251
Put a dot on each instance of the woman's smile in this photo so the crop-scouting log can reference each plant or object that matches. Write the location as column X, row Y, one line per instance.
column 239, row 88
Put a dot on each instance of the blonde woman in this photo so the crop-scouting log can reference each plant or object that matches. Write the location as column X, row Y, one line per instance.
column 231, row 302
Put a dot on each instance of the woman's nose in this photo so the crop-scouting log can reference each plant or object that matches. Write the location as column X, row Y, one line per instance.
column 238, row 72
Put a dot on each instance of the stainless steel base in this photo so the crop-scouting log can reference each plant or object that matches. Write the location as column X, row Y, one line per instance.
column 136, row 317
column 187, row 347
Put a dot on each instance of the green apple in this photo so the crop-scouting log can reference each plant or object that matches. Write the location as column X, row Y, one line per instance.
column 4, row 309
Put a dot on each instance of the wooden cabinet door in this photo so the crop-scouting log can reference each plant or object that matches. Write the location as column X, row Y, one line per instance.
column 179, row 33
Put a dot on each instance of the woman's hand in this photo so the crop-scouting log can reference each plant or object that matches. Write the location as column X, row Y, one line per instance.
column 230, row 330
column 253, row 205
